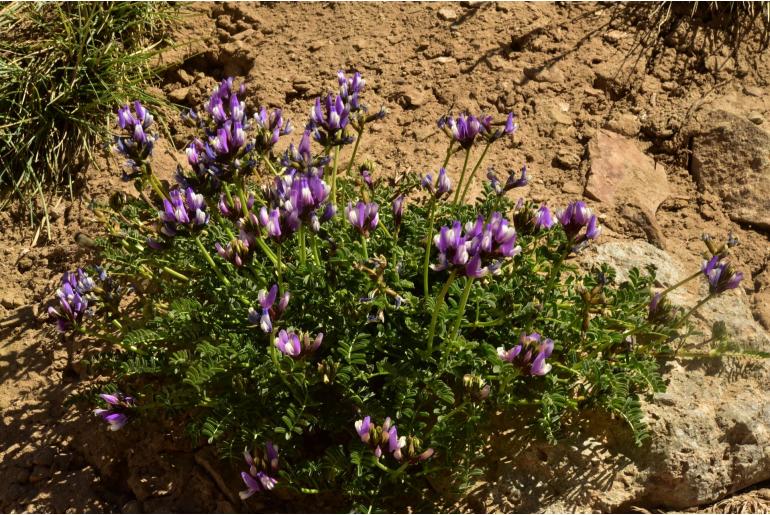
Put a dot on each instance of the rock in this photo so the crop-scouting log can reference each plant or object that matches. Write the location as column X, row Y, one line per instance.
column 317, row 45
column 301, row 86
column 755, row 117
column 621, row 175
column 184, row 76
column 731, row 307
column 626, row 124
column 179, row 94
column 572, row 188
column 447, row 14
column 39, row 473
column 445, row 59
column 762, row 307
column 566, row 160
column 44, row 456
column 753, row 91
column 411, row 97
column 10, row 300
column 558, row 113
column 24, row 263
column 544, row 74
column 731, row 158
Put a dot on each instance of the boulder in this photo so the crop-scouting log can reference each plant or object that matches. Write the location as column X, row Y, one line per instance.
column 709, row 432
column 623, row 176
column 731, row 158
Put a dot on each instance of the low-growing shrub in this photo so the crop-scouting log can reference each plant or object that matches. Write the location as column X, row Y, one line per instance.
column 356, row 333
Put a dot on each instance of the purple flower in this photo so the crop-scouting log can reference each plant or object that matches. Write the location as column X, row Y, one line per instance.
column 398, row 210
column 364, row 217
column 466, row 129
column 543, row 219
column 574, row 218
column 514, row 182
column 720, row 275
column 363, row 427
column 442, row 187
column 479, row 249
column 264, row 319
column 530, row 354
column 297, row 345
column 328, row 123
column 76, row 291
column 262, row 471
column 270, row 127
column 234, row 210
column 114, row 415
column 236, row 252
column 350, row 88
column 301, row 158
column 135, row 143
column 182, row 211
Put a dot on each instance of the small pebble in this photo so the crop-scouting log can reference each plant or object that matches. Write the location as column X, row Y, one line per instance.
column 757, row 118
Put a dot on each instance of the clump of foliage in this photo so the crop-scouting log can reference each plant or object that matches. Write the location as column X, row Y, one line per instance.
column 63, row 68
column 354, row 332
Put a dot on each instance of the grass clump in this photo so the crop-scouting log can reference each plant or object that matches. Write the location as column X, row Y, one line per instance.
column 63, row 68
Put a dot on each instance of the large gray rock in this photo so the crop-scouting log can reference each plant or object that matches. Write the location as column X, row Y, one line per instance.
column 731, row 158
column 710, row 431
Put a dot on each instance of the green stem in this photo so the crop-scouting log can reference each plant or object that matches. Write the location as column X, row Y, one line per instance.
column 269, row 164
column 211, row 261
column 695, row 308
column 302, row 249
column 439, row 303
column 278, row 267
column 314, row 245
column 334, row 175
column 462, row 175
column 428, row 247
column 448, row 154
column 176, row 274
column 244, row 204
column 680, row 283
column 473, row 173
column 461, row 307
column 154, row 182
column 363, row 246
column 553, row 276
column 353, row 156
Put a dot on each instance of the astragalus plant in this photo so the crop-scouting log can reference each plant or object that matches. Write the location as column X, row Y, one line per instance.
column 349, row 332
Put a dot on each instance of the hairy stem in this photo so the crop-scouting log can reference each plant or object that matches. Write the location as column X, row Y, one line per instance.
column 439, row 304
column 473, row 173
column 461, row 307
column 462, row 175
column 211, row 261
column 363, row 247
column 426, row 261
column 334, row 175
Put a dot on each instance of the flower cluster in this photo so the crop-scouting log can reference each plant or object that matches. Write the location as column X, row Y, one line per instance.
column 530, row 354
column 137, row 144
column 232, row 208
column 184, row 209
column 364, row 217
column 465, row 129
column 479, row 249
column 269, row 313
column 350, row 88
column 328, row 124
column 77, row 292
column 223, row 151
column 297, row 345
column 296, row 199
column 573, row 219
column 512, row 182
column 269, row 128
column 720, row 275
column 115, row 415
column 385, row 439
column 301, row 158
column 441, row 188
column 263, row 469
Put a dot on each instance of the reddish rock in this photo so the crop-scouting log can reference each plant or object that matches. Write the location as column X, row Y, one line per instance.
column 622, row 175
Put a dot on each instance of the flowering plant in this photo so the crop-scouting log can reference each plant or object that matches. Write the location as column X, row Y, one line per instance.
column 289, row 300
